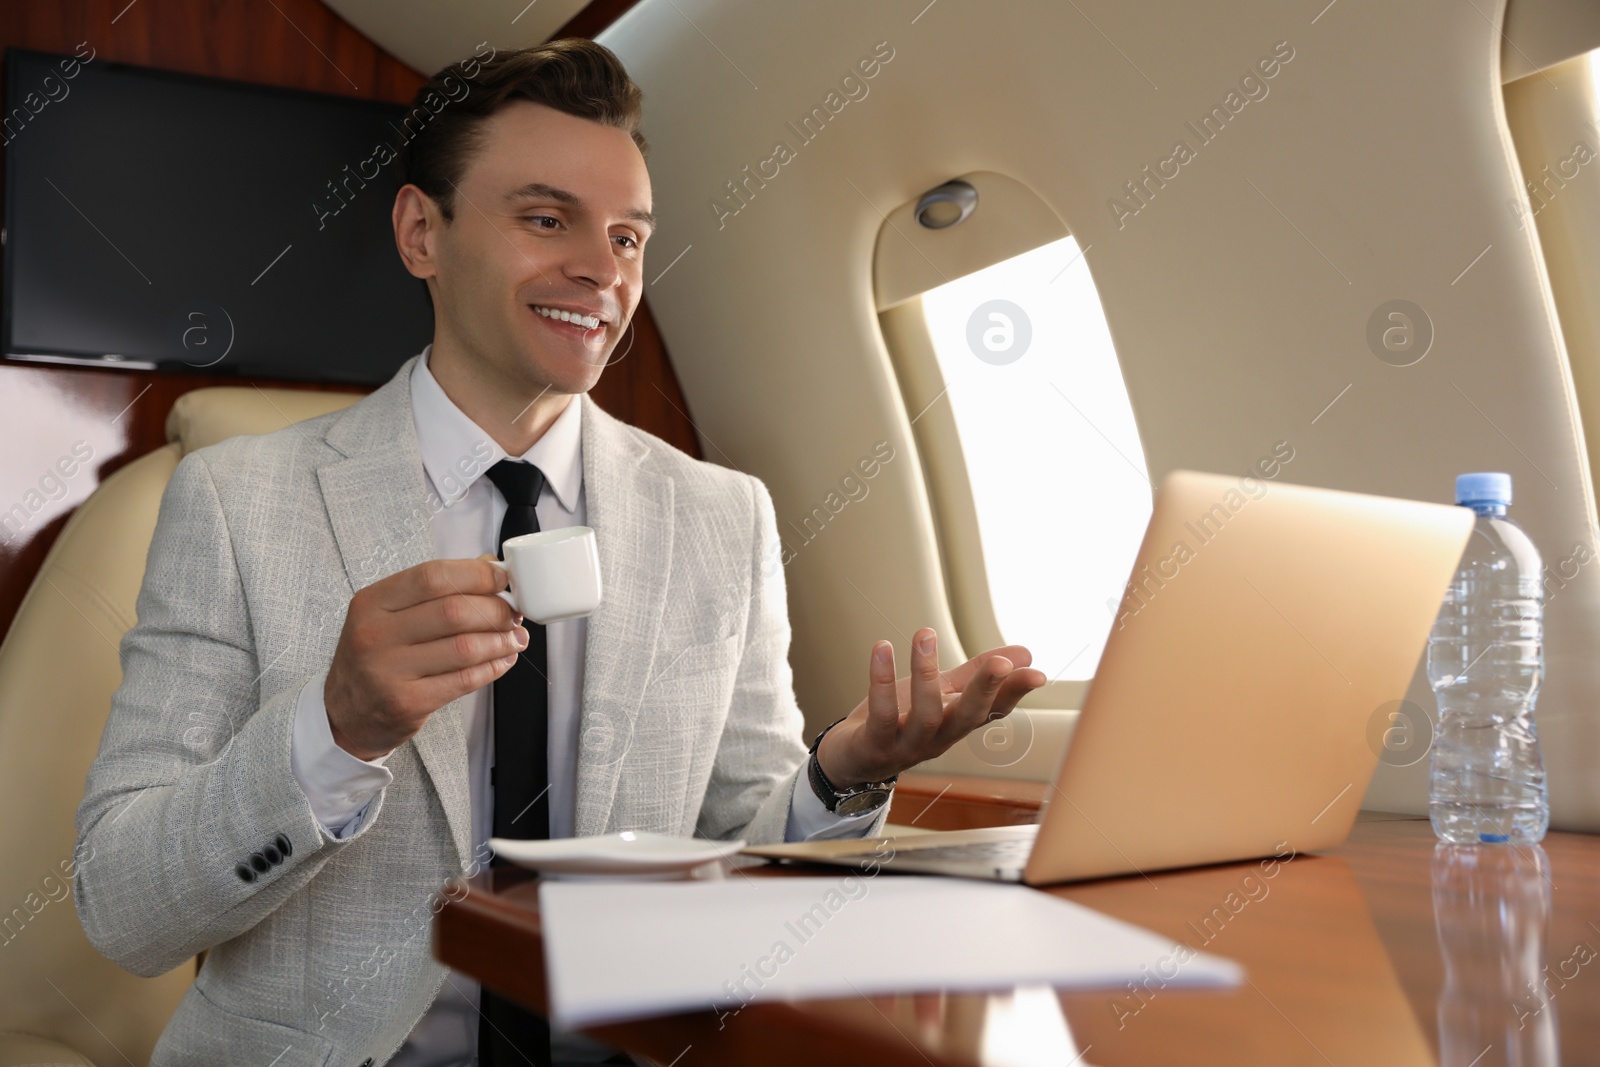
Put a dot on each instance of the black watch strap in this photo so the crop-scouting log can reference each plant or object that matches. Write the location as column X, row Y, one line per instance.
column 855, row 800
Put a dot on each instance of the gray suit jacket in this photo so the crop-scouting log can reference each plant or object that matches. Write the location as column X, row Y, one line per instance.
column 689, row 724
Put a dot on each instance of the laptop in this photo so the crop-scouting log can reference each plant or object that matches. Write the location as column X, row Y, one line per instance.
column 1262, row 643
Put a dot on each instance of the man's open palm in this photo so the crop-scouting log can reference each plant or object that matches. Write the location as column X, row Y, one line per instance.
column 905, row 721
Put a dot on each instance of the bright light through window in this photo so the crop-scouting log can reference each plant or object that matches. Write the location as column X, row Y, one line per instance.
column 1057, row 472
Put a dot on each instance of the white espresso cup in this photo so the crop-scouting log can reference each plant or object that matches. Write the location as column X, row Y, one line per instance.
column 555, row 574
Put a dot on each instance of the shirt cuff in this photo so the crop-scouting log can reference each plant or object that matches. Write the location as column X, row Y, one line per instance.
column 339, row 786
column 810, row 821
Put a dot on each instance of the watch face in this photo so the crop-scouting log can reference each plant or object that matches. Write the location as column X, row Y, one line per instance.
column 862, row 802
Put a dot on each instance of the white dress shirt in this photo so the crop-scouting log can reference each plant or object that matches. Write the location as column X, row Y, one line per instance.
column 340, row 787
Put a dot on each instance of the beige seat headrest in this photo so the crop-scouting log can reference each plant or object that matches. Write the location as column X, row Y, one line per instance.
column 205, row 416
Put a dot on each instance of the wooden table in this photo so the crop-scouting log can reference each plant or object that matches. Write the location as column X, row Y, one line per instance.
column 1345, row 957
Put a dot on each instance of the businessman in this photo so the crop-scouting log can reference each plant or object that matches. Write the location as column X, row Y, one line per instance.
column 326, row 711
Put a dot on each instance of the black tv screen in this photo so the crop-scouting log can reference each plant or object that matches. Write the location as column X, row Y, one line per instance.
column 201, row 225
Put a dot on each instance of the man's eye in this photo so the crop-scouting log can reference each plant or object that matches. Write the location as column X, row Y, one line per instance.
column 631, row 243
column 537, row 219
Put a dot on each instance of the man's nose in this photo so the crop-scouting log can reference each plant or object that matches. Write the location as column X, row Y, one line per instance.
column 591, row 261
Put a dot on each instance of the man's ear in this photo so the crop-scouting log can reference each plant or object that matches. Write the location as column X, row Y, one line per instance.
column 417, row 220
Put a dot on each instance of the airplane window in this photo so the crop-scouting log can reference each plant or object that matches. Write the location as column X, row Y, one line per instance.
column 1057, row 472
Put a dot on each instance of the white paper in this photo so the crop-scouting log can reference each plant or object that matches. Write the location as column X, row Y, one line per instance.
column 618, row 950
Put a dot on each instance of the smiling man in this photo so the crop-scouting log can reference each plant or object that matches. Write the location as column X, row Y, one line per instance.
column 348, row 771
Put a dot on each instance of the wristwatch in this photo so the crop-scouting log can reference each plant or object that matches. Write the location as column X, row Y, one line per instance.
column 856, row 800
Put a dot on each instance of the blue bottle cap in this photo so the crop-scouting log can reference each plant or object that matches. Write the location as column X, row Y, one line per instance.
column 1483, row 487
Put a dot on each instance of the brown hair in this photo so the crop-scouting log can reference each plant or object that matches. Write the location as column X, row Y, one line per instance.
column 573, row 75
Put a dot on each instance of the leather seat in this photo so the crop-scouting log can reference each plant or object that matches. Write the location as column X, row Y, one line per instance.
column 61, row 1002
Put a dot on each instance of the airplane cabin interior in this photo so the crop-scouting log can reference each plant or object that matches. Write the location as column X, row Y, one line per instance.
column 1018, row 312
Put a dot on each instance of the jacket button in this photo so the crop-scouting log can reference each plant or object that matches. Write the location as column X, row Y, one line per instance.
column 245, row 873
column 367, row 1062
column 274, row 857
column 284, row 844
column 259, row 862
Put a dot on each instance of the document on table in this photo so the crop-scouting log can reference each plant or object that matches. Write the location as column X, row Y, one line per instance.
column 616, row 950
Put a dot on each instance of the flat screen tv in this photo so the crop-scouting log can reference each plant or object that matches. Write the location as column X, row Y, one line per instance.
column 199, row 225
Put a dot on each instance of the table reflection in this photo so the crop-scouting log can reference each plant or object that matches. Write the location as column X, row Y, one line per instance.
column 1491, row 910
column 1022, row 1027
column 1026, row 1027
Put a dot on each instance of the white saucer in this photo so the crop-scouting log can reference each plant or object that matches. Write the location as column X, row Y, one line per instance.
column 628, row 852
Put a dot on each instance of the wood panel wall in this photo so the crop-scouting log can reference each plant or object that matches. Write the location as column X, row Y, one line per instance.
column 51, row 416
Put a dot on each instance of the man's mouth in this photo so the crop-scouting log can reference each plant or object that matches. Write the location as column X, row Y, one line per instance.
column 579, row 320
column 587, row 328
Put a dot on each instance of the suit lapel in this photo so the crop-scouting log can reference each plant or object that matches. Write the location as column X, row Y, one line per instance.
column 376, row 498
column 630, row 507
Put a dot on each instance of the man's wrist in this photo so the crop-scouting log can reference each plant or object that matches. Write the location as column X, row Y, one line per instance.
column 337, row 783
column 822, row 754
column 344, row 741
column 849, row 798
column 366, row 753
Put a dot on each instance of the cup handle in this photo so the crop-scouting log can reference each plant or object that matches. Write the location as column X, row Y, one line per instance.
column 503, row 594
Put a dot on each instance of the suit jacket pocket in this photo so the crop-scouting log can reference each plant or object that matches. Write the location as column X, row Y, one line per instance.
column 203, row 1034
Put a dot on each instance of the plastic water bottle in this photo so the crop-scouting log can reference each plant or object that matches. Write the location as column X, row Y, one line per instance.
column 1485, row 661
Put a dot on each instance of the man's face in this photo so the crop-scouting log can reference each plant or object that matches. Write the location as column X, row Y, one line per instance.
column 552, row 214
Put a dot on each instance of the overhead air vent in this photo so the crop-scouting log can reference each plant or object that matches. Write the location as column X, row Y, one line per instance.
column 948, row 205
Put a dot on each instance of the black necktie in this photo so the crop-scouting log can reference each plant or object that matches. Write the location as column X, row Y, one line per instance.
column 508, row 1034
